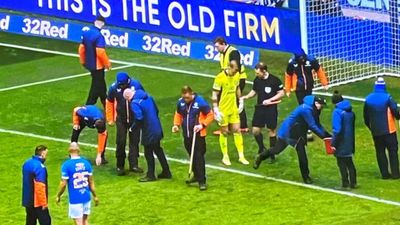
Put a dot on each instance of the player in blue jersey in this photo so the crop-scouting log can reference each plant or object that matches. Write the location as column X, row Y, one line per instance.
column 77, row 173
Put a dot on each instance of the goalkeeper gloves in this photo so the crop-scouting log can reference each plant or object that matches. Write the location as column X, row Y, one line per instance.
column 217, row 115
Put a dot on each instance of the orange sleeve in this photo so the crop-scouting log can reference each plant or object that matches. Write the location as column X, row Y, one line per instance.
column 178, row 119
column 206, row 119
column 81, row 51
column 110, row 111
column 322, row 76
column 75, row 117
column 40, row 199
column 103, row 57
column 288, row 82
column 101, row 141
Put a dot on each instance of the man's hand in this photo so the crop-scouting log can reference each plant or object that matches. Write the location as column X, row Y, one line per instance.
column 288, row 94
column 76, row 127
column 326, row 87
column 111, row 123
column 217, row 115
column 198, row 128
column 98, row 159
column 266, row 102
column 96, row 201
column 243, row 98
column 175, row 129
column 107, row 67
column 333, row 149
column 241, row 105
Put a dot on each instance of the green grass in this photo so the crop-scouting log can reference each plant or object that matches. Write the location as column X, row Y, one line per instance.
column 232, row 199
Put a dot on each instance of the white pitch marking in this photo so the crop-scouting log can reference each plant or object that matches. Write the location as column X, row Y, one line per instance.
column 235, row 171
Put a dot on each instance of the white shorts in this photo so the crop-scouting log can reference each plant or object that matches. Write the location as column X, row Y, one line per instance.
column 77, row 211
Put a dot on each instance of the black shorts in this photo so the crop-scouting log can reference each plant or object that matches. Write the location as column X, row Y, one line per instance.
column 265, row 117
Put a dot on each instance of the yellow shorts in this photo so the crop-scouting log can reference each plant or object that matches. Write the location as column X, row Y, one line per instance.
column 229, row 118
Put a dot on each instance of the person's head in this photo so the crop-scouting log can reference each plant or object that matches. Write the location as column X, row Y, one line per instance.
column 41, row 151
column 336, row 97
column 319, row 102
column 220, row 44
column 129, row 93
column 123, row 80
column 187, row 94
column 100, row 126
column 380, row 84
column 100, row 22
column 73, row 148
column 233, row 68
column 300, row 56
column 261, row 69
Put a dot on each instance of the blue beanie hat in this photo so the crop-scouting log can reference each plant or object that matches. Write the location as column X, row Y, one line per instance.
column 122, row 78
column 380, row 84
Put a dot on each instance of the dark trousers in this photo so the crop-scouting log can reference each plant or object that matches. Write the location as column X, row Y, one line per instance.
column 199, row 163
column 347, row 171
column 134, row 139
column 242, row 115
column 301, row 94
column 151, row 149
column 390, row 143
column 98, row 88
column 37, row 214
column 301, row 154
column 76, row 133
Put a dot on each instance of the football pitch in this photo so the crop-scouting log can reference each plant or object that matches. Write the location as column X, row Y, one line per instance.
column 41, row 81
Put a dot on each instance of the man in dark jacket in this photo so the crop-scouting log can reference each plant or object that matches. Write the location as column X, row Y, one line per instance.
column 118, row 112
column 380, row 113
column 343, row 140
column 146, row 116
column 35, row 189
column 293, row 131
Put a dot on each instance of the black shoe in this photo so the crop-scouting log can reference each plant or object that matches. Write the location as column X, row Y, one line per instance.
column 136, row 169
column 147, row 179
column 257, row 161
column 395, row 177
column 165, row 175
column 191, row 181
column 203, row 187
column 355, row 186
column 121, row 172
column 386, row 177
column 103, row 161
column 308, row 180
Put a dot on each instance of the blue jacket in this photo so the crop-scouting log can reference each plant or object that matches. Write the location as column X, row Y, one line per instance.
column 304, row 117
column 189, row 115
column 115, row 93
column 146, row 116
column 88, row 114
column 92, row 39
column 343, row 122
column 380, row 112
column 34, row 183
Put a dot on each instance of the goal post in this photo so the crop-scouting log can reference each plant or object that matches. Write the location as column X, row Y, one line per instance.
column 352, row 41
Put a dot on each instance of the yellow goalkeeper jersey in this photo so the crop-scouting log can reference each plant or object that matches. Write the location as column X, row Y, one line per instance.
column 227, row 86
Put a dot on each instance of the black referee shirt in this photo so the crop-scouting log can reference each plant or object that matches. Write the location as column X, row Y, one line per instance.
column 267, row 88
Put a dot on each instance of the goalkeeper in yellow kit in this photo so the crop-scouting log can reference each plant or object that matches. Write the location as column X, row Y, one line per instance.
column 225, row 97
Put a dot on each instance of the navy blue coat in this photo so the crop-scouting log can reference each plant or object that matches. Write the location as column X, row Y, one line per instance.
column 146, row 116
column 380, row 112
column 304, row 117
column 343, row 136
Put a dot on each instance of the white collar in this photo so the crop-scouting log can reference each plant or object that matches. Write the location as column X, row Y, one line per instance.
column 75, row 157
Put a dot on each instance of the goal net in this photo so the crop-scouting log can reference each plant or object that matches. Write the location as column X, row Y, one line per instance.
column 354, row 39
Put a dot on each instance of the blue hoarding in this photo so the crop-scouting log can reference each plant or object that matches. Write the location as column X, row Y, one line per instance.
column 241, row 24
column 133, row 40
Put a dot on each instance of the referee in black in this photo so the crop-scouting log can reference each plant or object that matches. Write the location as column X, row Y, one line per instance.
column 269, row 91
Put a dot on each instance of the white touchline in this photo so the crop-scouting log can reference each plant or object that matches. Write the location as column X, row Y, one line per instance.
column 55, row 79
column 235, row 171
column 131, row 64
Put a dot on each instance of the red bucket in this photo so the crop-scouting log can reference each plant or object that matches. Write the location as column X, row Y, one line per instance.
column 328, row 146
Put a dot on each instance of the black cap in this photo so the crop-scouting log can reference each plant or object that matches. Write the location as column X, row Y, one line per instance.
column 336, row 97
column 261, row 66
column 320, row 100
column 101, row 18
